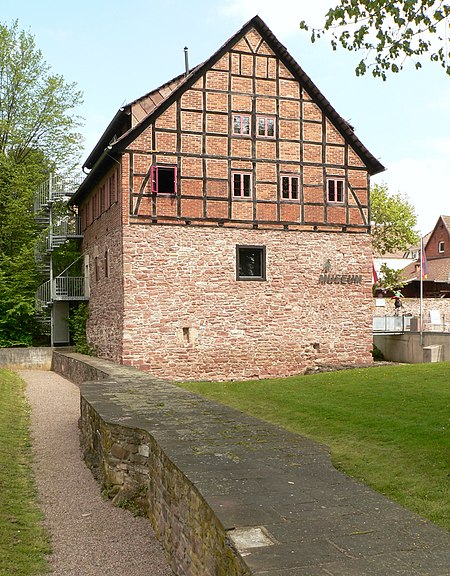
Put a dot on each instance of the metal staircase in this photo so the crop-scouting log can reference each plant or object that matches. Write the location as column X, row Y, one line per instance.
column 59, row 225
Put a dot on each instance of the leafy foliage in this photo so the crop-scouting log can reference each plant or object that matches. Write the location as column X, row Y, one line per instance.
column 394, row 221
column 389, row 32
column 77, row 325
column 18, row 276
column 390, row 279
column 38, row 133
column 35, row 104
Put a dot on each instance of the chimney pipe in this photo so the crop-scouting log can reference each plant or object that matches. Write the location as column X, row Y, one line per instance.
column 186, row 61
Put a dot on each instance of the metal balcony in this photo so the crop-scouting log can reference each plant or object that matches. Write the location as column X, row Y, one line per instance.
column 62, row 288
column 54, row 189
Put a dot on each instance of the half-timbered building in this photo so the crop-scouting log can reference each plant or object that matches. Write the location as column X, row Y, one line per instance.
column 226, row 223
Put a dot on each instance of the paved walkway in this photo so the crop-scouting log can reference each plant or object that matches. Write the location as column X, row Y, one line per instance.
column 90, row 536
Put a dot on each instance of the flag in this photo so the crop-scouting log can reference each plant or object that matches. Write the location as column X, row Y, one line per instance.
column 423, row 263
column 374, row 273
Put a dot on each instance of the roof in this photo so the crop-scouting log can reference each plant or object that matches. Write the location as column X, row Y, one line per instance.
column 438, row 270
column 110, row 148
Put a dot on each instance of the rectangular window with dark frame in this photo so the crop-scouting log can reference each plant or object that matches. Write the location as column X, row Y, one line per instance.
column 242, row 185
column 335, row 190
column 250, row 262
column 289, row 187
column 163, row 179
column 265, row 126
column 241, row 124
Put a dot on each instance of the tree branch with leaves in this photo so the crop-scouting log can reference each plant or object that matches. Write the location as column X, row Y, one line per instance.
column 390, row 32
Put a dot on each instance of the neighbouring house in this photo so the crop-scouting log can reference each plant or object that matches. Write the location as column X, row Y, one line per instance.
column 436, row 274
column 225, row 221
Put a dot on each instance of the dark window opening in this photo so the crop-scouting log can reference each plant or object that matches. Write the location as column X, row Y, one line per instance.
column 250, row 262
column 106, row 263
column 441, row 247
column 289, row 187
column 164, row 179
column 335, row 190
column 242, row 185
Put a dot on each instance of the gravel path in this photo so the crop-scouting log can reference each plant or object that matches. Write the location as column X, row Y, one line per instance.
column 90, row 537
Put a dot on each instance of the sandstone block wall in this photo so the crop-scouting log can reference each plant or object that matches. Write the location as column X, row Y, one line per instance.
column 187, row 317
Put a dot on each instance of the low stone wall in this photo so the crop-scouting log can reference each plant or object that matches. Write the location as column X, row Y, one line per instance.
column 134, row 469
column 26, row 358
column 230, row 495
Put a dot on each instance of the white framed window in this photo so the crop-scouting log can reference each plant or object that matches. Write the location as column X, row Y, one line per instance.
column 336, row 190
column 441, row 247
column 289, row 187
column 265, row 126
column 242, row 185
column 241, row 124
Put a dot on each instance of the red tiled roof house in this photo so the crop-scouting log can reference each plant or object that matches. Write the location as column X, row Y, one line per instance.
column 226, row 223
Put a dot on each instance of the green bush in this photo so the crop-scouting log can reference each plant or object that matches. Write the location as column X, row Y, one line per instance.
column 77, row 325
column 377, row 354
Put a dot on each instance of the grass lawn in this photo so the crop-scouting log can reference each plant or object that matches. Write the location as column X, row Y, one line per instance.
column 23, row 540
column 387, row 426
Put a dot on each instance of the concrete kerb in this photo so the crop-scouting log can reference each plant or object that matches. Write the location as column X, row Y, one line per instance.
column 228, row 494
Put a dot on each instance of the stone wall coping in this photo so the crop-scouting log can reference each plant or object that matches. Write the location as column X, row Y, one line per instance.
column 276, row 494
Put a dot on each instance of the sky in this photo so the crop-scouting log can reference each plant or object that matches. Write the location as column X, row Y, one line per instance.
column 116, row 51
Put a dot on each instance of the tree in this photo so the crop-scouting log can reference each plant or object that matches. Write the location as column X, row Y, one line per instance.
column 38, row 134
column 35, row 105
column 394, row 220
column 389, row 31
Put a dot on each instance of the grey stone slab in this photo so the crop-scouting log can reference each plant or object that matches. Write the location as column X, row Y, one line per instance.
column 235, row 512
column 252, row 473
column 380, row 565
column 309, row 553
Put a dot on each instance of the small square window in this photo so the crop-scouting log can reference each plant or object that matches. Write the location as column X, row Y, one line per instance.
column 242, row 185
column 250, row 262
column 290, row 187
column 241, row 124
column 163, row 179
column 266, row 126
column 335, row 190
column 441, row 247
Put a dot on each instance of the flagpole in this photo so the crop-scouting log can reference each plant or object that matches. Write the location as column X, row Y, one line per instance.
column 421, row 292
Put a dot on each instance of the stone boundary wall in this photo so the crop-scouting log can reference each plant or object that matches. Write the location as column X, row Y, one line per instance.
column 26, row 358
column 135, row 470
column 230, row 495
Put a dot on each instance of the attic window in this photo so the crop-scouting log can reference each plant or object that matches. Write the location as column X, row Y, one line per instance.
column 266, row 126
column 163, row 179
column 441, row 247
column 335, row 190
column 241, row 124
